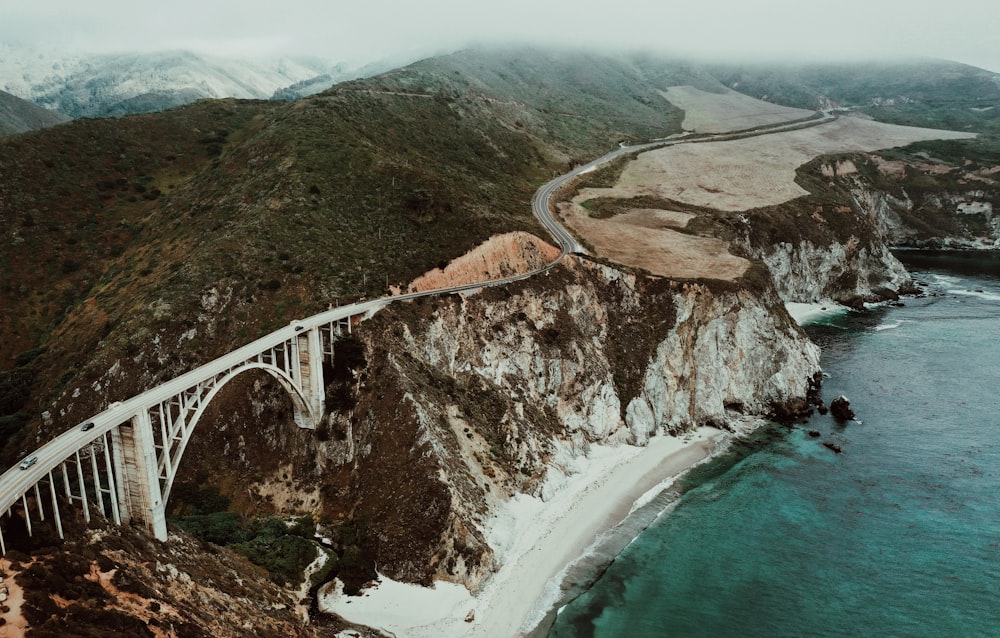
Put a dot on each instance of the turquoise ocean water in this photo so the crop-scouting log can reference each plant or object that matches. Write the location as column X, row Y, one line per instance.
column 897, row 536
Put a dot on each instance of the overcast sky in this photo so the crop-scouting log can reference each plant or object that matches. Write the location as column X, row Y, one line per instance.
column 962, row 30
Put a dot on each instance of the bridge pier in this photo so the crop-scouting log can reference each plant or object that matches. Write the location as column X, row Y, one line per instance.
column 308, row 374
column 139, row 498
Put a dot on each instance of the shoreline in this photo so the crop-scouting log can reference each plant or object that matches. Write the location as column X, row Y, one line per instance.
column 536, row 543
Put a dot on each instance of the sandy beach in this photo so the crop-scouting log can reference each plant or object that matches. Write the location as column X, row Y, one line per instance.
column 535, row 541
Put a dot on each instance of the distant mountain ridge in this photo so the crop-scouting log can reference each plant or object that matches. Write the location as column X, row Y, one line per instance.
column 123, row 84
column 933, row 93
column 21, row 116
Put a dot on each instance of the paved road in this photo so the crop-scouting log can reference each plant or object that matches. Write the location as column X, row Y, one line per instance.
column 15, row 482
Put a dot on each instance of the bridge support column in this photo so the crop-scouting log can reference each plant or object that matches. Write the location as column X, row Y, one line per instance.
column 138, row 481
column 309, row 346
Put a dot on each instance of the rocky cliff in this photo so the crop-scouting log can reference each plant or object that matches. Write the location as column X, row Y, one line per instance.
column 931, row 204
column 442, row 409
column 850, row 273
column 830, row 244
column 463, row 401
column 834, row 243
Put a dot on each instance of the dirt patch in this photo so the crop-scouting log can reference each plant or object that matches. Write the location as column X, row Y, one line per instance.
column 897, row 168
column 706, row 112
column 754, row 172
column 500, row 256
column 14, row 623
column 641, row 238
column 655, row 218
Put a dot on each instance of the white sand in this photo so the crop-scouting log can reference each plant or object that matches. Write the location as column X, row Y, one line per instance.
column 534, row 541
column 804, row 313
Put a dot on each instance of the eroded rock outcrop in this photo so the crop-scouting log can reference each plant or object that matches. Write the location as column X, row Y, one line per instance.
column 834, row 243
column 501, row 256
column 841, row 410
column 849, row 273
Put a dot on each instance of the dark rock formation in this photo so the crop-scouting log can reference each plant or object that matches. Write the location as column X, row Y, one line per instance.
column 840, row 408
column 832, row 446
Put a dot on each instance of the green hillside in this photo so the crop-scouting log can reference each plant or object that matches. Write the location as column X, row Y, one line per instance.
column 928, row 93
column 154, row 243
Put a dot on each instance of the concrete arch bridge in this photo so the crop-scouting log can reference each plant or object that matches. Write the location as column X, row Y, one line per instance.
column 122, row 461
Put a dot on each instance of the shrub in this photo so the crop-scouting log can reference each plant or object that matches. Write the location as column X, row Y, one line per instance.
column 283, row 554
column 221, row 528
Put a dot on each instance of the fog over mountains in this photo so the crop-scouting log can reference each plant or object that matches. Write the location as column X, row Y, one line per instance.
column 90, row 85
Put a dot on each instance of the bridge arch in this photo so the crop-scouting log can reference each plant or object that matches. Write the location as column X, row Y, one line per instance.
column 300, row 406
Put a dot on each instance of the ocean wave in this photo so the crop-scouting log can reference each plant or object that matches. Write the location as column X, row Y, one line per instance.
column 981, row 294
column 946, row 280
column 889, row 325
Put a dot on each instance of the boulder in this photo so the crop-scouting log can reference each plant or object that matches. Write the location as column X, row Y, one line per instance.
column 832, row 446
column 814, row 433
column 840, row 408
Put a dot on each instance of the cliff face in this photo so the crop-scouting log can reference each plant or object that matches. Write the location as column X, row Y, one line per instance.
column 484, row 394
column 849, row 273
column 834, row 242
column 922, row 205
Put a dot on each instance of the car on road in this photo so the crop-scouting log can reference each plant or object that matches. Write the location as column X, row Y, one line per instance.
column 89, row 425
column 28, row 462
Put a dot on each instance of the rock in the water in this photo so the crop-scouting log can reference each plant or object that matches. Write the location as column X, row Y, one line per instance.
column 840, row 408
column 814, row 433
column 822, row 409
column 832, row 446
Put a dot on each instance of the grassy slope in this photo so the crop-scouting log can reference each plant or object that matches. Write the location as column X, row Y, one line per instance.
column 74, row 202
column 934, row 94
column 263, row 212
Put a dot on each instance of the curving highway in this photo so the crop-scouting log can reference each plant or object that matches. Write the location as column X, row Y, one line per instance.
column 16, row 482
